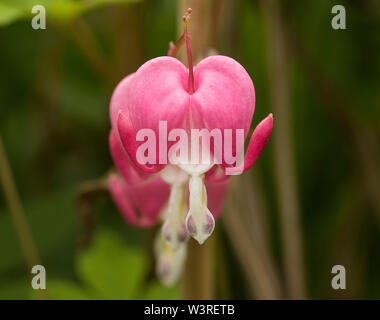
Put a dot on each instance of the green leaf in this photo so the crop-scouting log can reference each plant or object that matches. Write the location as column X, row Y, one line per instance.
column 9, row 13
column 62, row 10
column 112, row 269
column 109, row 270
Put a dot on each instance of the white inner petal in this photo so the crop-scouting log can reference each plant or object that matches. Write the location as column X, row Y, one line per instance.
column 173, row 230
column 200, row 222
column 174, row 175
column 170, row 262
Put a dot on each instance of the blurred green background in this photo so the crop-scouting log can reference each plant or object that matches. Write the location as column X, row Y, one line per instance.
column 54, row 95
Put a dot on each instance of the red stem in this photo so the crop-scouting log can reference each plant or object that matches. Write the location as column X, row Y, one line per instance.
column 189, row 55
column 190, row 62
column 174, row 48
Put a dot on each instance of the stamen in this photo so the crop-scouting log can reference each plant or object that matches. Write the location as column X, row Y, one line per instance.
column 174, row 48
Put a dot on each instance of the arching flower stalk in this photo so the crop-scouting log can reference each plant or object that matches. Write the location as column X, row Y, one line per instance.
column 182, row 183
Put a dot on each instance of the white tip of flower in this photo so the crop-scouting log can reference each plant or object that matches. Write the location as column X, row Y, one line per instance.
column 175, row 234
column 200, row 222
column 200, row 227
column 174, row 231
column 170, row 263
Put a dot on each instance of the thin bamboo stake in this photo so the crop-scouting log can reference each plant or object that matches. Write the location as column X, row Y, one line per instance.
column 250, row 244
column 283, row 151
column 199, row 277
column 17, row 212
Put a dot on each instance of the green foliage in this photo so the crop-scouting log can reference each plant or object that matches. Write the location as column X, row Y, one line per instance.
column 54, row 123
column 109, row 269
column 11, row 10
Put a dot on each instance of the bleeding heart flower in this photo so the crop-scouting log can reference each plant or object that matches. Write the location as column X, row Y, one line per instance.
column 143, row 201
column 216, row 94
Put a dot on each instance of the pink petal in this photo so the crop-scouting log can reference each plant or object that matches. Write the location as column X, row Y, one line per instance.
column 259, row 139
column 224, row 98
column 122, row 160
column 224, row 95
column 128, row 138
column 158, row 91
column 216, row 173
column 216, row 191
column 140, row 204
column 119, row 100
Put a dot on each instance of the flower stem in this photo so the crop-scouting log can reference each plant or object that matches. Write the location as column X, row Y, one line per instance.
column 188, row 51
column 174, row 49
